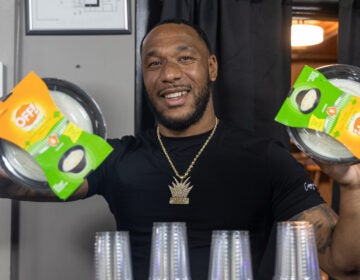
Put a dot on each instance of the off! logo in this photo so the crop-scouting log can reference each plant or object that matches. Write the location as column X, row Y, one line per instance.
column 26, row 115
column 355, row 124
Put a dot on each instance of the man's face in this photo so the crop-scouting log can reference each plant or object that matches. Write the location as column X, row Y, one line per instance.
column 177, row 71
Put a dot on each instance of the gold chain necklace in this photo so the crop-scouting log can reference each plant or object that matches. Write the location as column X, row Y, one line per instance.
column 180, row 189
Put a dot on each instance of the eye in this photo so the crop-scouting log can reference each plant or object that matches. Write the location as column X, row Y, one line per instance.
column 154, row 63
column 186, row 59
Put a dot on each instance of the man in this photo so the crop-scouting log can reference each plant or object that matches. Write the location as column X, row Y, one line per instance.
column 208, row 173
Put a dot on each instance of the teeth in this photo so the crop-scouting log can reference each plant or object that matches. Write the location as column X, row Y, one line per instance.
column 175, row 94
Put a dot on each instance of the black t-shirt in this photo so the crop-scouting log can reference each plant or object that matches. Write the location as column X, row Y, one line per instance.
column 240, row 182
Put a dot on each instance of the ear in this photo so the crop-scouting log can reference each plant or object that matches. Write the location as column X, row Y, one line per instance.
column 213, row 67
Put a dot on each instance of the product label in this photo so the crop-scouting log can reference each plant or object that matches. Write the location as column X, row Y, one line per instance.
column 30, row 119
column 316, row 103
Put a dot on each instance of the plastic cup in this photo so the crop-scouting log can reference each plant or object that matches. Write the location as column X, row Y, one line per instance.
column 112, row 256
column 230, row 257
column 169, row 259
column 296, row 252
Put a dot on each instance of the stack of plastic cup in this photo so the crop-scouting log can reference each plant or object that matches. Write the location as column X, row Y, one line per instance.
column 169, row 258
column 230, row 257
column 296, row 252
column 112, row 256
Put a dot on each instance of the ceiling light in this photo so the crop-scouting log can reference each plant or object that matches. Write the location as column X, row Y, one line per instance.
column 306, row 35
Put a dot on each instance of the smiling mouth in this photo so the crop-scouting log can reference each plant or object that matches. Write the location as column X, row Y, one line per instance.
column 175, row 91
column 175, row 94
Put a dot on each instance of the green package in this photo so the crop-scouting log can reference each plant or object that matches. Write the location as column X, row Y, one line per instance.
column 30, row 119
column 315, row 103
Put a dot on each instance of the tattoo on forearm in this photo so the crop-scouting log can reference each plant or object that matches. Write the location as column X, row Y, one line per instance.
column 324, row 221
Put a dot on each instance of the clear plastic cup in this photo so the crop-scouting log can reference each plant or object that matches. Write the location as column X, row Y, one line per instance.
column 230, row 257
column 169, row 258
column 112, row 256
column 296, row 252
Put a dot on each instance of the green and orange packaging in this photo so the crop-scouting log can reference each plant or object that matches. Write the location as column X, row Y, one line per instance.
column 317, row 104
column 30, row 119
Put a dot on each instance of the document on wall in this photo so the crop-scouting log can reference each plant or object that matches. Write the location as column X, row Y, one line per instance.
column 67, row 15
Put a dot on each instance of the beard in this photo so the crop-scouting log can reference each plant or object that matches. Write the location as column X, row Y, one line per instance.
column 200, row 104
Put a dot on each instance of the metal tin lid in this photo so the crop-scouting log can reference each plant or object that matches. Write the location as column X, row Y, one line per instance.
column 322, row 146
column 78, row 107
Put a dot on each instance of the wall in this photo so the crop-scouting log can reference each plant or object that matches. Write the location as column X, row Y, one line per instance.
column 7, row 26
column 56, row 239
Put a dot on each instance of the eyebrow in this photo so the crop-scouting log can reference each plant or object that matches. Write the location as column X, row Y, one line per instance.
column 178, row 48
column 184, row 48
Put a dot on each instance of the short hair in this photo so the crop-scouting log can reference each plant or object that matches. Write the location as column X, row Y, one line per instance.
column 197, row 28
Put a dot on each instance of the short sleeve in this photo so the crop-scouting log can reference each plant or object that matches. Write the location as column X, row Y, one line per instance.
column 294, row 191
column 98, row 178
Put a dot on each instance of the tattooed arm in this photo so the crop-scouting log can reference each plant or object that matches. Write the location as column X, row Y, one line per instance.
column 337, row 238
column 324, row 220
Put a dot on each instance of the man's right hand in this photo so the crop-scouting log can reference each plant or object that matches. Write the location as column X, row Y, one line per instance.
column 14, row 190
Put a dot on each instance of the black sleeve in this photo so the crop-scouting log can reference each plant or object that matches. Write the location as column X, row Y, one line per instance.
column 98, row 178
column 294, row 191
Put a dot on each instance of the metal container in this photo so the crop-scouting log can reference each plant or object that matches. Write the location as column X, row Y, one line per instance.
column 78, row 107
column 320, row 145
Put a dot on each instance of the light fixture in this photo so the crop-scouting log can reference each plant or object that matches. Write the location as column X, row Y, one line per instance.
column 306, row 35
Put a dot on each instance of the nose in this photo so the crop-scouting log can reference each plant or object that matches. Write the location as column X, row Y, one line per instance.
column 171, row 72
